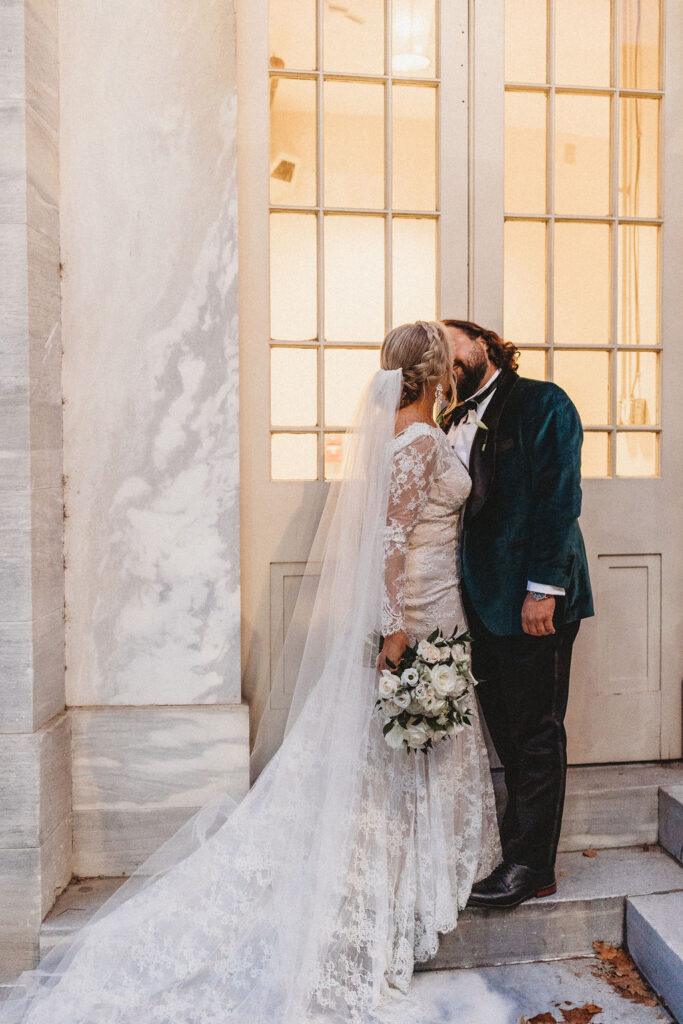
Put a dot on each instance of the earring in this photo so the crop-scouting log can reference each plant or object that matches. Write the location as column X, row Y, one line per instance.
column 439, row 395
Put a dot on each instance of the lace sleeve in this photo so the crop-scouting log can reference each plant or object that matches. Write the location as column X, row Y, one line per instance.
column 413, row 471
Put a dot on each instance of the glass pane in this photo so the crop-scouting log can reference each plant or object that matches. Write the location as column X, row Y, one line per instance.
column 637, row 389
column 354, row 144
column 354, row 36
column 582, row 154
column 525, row 152
column 582, row 42
column 347, row 371
column 639, row 157
column 293, row 387
column 532, row 363
column 335, row 451
column 525, row 40
column 638, row 284
column 582, row 284
column 637, row 453
column 524, row 282
column 585, row 378
column 292, row 142
column 413, row 148
column 293, row 301
column 639, row 44
column 595, row 454
column 292, row 33
column 413, row 270
column 413, row 29
column 354, row 278
column 294, row 456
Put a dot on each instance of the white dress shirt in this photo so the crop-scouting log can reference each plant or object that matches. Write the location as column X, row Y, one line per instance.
column 461, row 437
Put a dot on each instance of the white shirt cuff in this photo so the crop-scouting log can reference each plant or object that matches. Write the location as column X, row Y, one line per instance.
column 545, row 588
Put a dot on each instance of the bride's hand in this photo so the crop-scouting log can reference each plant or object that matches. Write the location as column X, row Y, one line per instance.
column 392, row 650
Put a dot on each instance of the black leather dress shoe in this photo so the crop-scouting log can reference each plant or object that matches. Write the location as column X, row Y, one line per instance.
column 510, row 884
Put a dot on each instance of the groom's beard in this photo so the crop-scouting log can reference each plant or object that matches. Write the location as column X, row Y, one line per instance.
column 469, row 375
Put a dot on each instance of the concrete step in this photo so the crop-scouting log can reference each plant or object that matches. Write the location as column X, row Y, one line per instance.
column 517, row 993
column 654, row 929
column 671, row 820
column 589, row 906
column 614, row 805
column 76, row 905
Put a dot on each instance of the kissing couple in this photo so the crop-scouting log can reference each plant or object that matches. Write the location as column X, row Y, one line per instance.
column 312, row 898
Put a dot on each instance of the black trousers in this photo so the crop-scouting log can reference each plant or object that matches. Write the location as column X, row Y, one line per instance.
column 523, row 690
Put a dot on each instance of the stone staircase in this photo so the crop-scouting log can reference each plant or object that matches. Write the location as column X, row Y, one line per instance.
column 630, row 891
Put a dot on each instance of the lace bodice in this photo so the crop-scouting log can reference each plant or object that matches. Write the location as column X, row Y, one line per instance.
column 429, row 488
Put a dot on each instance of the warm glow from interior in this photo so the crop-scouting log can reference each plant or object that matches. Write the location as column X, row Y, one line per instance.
column 570, row 200
column 403, row 63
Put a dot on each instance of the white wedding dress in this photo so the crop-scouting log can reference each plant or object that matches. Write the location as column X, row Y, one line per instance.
column 311, row 899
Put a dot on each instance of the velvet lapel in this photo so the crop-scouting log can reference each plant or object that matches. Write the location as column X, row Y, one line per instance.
column 483, row 454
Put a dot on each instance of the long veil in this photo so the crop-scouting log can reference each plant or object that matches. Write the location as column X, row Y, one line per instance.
column 261, row 911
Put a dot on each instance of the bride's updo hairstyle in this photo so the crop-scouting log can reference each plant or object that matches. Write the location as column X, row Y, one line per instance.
column 421, row 350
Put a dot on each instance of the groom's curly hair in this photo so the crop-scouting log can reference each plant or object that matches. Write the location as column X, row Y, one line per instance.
column 501, row 353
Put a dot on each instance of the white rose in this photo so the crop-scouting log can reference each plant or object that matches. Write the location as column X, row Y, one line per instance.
column 420, row 691
column 395, row 736
column 444, row 680
column 410, row 676
column 444, row 653
column 415, row 707
column 388, row 684
column 427, row 651
column 433, row 705
column 391, row 708
column 417, row 735
column 459, row 652
column 402, row 700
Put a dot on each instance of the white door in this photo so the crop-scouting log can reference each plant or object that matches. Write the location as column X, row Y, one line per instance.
column 590, row 274
column 372, row 191
column 353, row 218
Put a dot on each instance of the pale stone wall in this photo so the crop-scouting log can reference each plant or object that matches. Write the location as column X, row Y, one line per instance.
column 149, row 247
column 35, row 783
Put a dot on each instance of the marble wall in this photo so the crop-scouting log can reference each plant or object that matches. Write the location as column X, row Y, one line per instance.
column 149, row 236
column 35, row 785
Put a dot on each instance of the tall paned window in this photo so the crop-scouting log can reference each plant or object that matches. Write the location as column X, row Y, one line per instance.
column 583, row 218
column 353, row 209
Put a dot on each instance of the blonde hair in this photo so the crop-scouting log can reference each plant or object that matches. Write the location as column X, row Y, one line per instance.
column 421, row 350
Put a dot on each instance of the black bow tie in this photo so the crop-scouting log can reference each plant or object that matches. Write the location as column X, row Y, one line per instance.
column 461, row 411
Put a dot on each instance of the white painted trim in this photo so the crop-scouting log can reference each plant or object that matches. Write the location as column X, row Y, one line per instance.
column 486, row 162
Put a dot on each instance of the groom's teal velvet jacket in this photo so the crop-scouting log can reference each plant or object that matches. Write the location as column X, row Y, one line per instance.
column 521, row 519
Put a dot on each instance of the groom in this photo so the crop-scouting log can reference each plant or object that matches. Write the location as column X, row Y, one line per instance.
column 526, row 588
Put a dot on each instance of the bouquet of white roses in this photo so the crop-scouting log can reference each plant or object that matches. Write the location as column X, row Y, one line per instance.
column 426, row 698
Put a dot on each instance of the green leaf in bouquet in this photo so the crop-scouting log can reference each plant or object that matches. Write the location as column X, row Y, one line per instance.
column 432, row 636
column 388, row 727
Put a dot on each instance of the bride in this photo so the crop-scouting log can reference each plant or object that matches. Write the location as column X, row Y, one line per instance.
column 312, row 898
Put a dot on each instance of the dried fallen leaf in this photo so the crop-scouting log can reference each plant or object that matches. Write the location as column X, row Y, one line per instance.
column 581, row 1014
column 618, row 970
column 590, row 852
column 562, row 874
column 542, row 1018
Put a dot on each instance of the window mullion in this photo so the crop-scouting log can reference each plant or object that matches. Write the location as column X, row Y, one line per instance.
column 320, row 200
column 388, row 172
column 614, row 246
column 550, row 190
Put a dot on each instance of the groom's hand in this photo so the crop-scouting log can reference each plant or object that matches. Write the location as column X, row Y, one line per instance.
column 537, row 616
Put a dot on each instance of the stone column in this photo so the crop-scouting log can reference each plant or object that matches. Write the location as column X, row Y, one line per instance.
column 35, row 784
column 149, row 242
